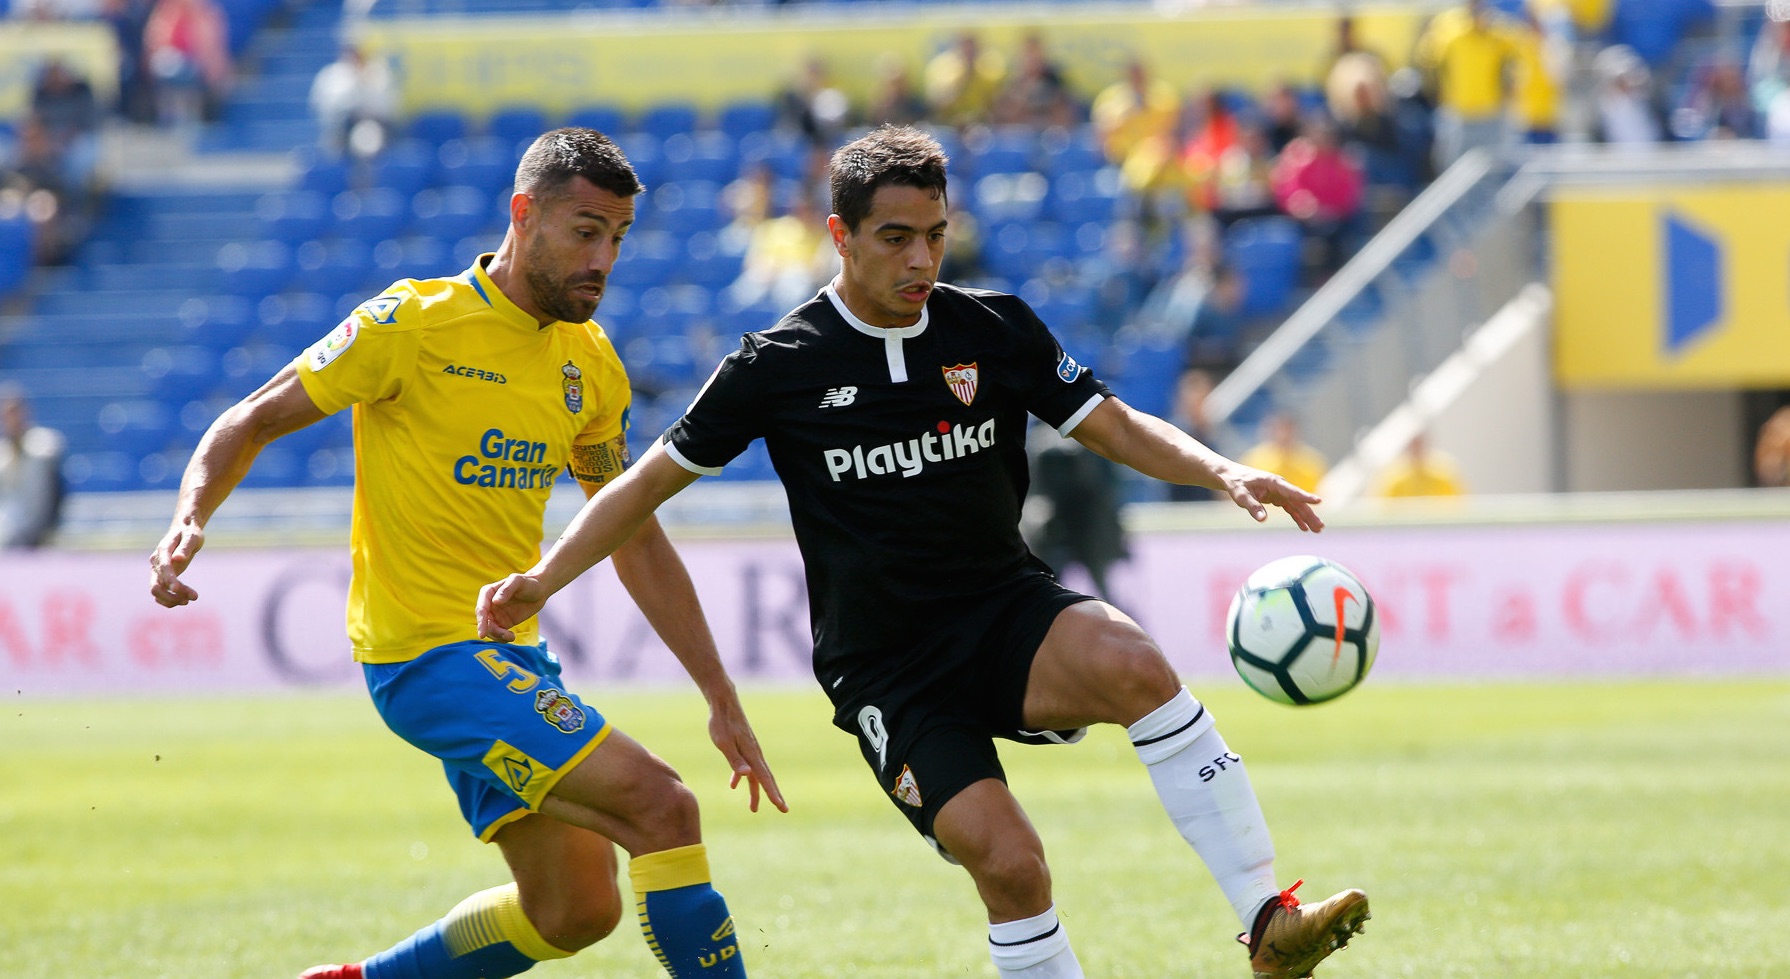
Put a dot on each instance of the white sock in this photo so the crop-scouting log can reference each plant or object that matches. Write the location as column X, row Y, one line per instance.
column 1206, row 791
column 1033, row 948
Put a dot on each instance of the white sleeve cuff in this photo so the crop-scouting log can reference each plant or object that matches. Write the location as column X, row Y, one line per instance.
column 1080, row 413
column 680, row 459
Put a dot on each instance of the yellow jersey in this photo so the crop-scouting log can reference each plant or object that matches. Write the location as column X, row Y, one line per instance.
column 1301, row 465
column 465, row 413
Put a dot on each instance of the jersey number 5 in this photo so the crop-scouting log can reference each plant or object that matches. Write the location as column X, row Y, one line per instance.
column 493, row 660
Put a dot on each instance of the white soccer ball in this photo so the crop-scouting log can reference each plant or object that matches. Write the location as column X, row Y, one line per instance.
column 1302, row 630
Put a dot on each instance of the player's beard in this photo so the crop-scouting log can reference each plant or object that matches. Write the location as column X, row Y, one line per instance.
column 556, row 297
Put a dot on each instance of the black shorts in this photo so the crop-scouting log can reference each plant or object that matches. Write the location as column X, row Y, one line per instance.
column 928, row 733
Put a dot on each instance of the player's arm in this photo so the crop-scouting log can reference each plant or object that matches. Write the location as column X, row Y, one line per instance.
column 223, row 457
column 605, row 523
column 655, row 577
column 1158, row 449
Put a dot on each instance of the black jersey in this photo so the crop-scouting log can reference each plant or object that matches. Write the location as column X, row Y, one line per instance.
column 902, row 451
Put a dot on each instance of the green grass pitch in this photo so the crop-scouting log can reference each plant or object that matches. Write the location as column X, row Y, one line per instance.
column 1629, row 830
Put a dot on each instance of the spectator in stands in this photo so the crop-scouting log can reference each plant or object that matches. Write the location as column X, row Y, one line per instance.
column 1036, row 94
column 1540, row 68
column 814, row 106
column 1213, row 134
column 963, row 246
column 1627, row 112
column 1188, row 414
column 1371, row 133
column 962, row 81
column 1318, row 185
column 781, row 267
column 1122, row 274
column 748, row 202
column 63, row 103
column 1422, row 471
column 185, row 45
column 30, row 474
column 1071, row 516
column 1214, row 331
column 894, row 100
column 1414, row 114
column 1468, row 51
column 1280, row 451
column 1768, row 67
column 1349, row 52
column 58, row 204
column 1716, row 105
column 1771, row 454
column 1136, row 120
column 1242, row 181
column 136, row 89
column 355, row 100
column 1654, row 29
column 1281, row 115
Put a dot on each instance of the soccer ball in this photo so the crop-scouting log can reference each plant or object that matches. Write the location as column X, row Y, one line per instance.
column 1302, row 630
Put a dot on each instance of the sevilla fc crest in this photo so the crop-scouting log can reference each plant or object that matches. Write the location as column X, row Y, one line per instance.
column 962, row 380
column 907, row 789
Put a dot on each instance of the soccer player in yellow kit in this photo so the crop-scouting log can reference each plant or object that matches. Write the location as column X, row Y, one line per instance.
column 469, row 394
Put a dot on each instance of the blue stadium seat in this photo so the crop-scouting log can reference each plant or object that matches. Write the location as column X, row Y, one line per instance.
column 451, row 212
column 643, row 150
column 483, row 162
column 325, row 177
column 736, row 119
column 372, row 215
column 1002, row 197
column 256, row 268
column 606, row 119
column 406, row 167
column 667, row 119
column 1080, row 196
column 294, row 217
column 706, row 155
column 517, row 123
column 785, row 153
column 1268, row 254
column 438, row 126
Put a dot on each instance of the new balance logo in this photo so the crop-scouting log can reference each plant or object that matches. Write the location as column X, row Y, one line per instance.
column 839, row 397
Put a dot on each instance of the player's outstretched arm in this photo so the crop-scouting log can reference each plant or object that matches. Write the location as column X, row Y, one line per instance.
column 650, row 568
column 1160, row 450
column 223, row 457
column 606, row 522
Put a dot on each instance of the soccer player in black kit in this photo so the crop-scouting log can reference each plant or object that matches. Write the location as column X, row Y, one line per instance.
column 894, row 408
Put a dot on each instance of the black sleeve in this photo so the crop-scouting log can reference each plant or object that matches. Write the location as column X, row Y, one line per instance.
column 1057, row 388
column 725, row 417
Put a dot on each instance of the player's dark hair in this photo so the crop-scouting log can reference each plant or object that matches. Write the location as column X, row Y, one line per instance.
column 556, row 157
column 890, row 155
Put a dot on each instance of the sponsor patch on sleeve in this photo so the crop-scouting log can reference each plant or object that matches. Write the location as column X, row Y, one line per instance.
column 325, row 351
column 1068, row 370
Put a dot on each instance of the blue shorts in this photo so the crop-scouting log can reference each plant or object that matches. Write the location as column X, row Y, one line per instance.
column 496, row 715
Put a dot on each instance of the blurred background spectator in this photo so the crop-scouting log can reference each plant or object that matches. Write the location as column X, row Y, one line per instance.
column 356, row 103
column 1035, row 94
column 185, row 43
column 963, row 81
column 1281, row 451
column 1422, row 471
column 1072, row 514
column 1771, row 455
column 1468, row 54
column 1189, row 415
column 30, row 474
column 1628, row 114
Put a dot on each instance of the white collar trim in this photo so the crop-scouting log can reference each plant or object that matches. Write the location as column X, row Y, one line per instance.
column 880, row 332
column 891, row 336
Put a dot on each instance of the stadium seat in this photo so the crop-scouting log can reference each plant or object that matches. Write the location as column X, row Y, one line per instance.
column 517, row 123
column 1003, row 197
column 294, row 217
column 1081, row 196
column 606, row 119
column 667, row 119
column 256, row 268
column 450, row 212
column 437, row 126
column 406, row 167
column 737, row 119
column 483, row 162
column 1268, row 254
column 708, row 155
column 643, row 150
column 373, row 215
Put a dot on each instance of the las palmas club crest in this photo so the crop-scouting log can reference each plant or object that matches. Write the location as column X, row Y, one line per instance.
column 962, row 380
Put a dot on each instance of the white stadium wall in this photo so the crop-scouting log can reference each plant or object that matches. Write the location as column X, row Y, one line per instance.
column 1493, row 600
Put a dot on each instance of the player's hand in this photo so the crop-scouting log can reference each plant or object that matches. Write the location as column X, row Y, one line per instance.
column 1255, row 490
column 170, row 559
column 732, row 733
column 505, row 604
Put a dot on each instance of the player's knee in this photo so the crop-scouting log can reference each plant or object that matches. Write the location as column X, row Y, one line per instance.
column 667, row 814
column 582, row 921
column 1138, row 677
column 1018, row 873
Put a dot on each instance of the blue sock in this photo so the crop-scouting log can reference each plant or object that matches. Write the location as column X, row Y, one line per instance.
column 485, row 936
column 685, row 920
